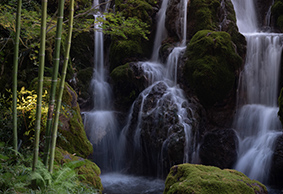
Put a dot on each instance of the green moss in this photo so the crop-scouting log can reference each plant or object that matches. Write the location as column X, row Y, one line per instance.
column 199, row 179
column 88, row 172
column 126, row 85
column 83, row 82
column 141, row 9
column 277, row 12
column 71, row 133
column 202, row 15
column 211, row 65
column 123, row 51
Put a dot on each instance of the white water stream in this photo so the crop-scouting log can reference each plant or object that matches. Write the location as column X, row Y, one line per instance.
column 166, row 74
column 256, row 120
column 101, row 123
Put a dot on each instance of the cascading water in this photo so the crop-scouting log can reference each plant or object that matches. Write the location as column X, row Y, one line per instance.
column 162, row 81
column 100, row 123
column 256, row 120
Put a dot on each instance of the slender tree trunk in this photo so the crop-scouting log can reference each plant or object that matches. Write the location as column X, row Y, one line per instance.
column 56, row 61
column 40, row 81
column 62, row 83
column 15, row 74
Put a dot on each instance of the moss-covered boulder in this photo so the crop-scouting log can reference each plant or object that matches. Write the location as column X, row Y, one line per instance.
column 277, row 13
column 211, row 65
column 128, row 82
column 215, row 15
column 89, row 172
column 72, row 136
column 124, row 51
column 202, row 14
column 199, row 179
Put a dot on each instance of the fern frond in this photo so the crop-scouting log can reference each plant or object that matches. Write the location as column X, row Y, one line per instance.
column 74, row 164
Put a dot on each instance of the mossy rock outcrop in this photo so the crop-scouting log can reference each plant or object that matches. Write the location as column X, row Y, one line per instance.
column 72, row 136
column 89, row 172
column 199, row 179
column 215, row 15
column 277, row 13
column 202, row 14
column 128, row 82
column 211, row 65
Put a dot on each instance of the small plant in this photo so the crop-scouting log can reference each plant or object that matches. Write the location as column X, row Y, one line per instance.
column 16, row 175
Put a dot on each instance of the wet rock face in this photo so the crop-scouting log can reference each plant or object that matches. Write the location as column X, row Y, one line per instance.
column 276, row 172
column 219, row 148
column 175, row 18
column 263, row 7
column 158, row 131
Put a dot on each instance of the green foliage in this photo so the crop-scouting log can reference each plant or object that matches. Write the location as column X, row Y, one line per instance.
column 16, row 176
column 118, row 25
column 30, row 27
column 6, row 118
column 87, row 170
column 211, row 65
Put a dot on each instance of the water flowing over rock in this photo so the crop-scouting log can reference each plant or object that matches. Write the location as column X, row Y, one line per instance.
column 256, row 119
column 173, row 23
column 161, row 124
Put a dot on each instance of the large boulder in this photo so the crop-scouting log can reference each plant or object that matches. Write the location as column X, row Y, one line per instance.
column 215, row 15
column 88, row 171
column 128, row 82
column 161, row 129
column 219, row 148
column 71, row 134
column 211, row 66
column 199, row 179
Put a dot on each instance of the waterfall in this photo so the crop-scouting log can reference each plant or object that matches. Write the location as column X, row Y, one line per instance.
column 256, row 120
column 162, row 79
column 100, row 123
column 161, row 30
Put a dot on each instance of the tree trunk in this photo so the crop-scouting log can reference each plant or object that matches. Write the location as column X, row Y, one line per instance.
column 62, row 83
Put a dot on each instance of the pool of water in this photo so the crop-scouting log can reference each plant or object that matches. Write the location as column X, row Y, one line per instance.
column 115, row 183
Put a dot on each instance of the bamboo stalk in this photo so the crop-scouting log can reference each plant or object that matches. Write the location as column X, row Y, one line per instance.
column 56, row 60
column 15, row 75
column 40, row 82
column 62, row 83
